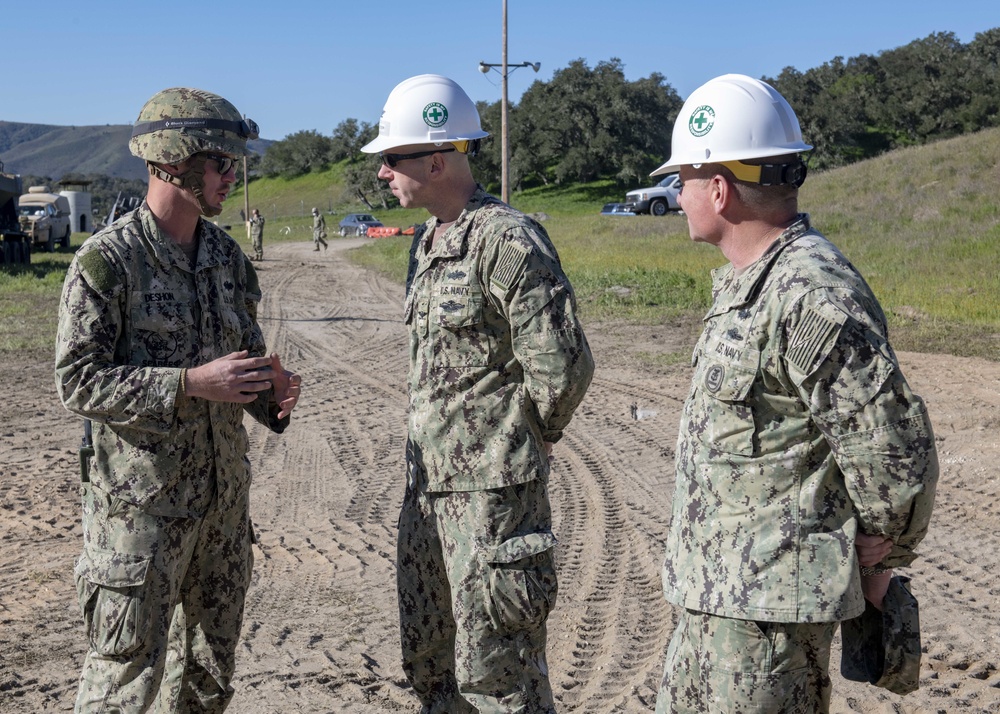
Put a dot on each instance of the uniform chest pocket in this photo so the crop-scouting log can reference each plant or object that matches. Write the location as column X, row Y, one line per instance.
column 723, row 412
column 159, row 332
column 456, row 313
column 232, row 329
column 460, row 337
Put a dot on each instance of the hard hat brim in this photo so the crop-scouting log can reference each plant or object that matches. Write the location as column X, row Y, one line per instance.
column 384, row 143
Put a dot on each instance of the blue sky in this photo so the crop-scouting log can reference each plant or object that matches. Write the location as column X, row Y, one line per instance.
column 306, row 64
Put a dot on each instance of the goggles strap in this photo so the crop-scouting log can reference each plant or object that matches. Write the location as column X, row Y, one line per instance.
column 793, row 173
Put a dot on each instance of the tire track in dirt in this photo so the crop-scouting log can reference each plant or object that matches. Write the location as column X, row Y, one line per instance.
column 326, row 508
column 610, row 623
column 321, row 628
column 40, row 538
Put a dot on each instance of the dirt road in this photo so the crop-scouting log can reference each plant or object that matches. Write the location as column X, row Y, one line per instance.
column 320, row 632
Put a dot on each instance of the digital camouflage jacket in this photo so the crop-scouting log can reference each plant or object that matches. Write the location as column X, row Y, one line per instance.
column 133, row 313
column 799, row 431
column 498, row 361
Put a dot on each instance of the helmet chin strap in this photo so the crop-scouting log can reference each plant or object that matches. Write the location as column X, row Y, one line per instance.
column 193, row 180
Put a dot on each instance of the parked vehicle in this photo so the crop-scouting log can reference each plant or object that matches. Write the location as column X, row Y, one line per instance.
column 657, row 200
column 45, row 217
column 15, row 247
column 357, row 224
column 616, row 209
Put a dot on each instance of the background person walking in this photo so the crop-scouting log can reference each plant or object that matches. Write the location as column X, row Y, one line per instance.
column 257, row 234
column 319, row 229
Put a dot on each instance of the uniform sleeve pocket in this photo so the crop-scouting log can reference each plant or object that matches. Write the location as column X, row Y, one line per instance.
column 522, row 583
column 114, row 601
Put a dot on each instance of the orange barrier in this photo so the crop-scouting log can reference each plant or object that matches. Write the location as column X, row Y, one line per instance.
column 410, row 231
column 382, row 231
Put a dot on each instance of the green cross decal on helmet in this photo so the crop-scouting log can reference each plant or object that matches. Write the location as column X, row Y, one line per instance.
column 435, row 114
column 736, row 118
column 426, row 109
column 702, row 120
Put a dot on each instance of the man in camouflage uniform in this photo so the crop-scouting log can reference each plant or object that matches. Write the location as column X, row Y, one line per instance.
column 498, row 364
column 159, row 346
column 319, row 229
column 257, row 234
column 805, row 466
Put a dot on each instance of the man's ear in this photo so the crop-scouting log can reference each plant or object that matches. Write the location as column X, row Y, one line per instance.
column 722, row 193
column 438, row 163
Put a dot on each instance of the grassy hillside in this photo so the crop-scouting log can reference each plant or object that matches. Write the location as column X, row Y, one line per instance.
column 922, row 224
column 43, row 150
column 47, row 150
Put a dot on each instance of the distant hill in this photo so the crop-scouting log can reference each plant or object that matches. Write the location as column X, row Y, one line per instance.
column 54, row 151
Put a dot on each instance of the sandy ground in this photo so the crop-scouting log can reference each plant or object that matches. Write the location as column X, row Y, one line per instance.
column 320, row 633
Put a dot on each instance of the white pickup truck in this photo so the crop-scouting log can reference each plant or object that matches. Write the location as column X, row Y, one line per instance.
column 657, row 200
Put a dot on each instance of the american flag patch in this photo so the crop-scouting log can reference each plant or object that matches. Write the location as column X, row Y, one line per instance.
column 508, row 266
column 809, row 337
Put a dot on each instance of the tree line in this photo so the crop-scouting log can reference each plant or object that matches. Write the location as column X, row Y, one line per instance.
column 589, row 123
column 929, row 89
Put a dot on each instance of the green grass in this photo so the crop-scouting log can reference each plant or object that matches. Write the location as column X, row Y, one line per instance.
column 922, row 225
column 29, row 297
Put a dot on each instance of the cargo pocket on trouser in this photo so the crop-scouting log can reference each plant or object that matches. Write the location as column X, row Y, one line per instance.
column 521, row 581
column 763, row 667
column 113, row 600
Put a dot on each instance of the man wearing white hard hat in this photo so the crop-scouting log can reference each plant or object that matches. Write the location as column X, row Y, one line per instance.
column 805, row 465
column 498, row 365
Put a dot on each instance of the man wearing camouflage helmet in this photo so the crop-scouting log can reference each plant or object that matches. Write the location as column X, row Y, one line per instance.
column 805, row 465
column 158, row 345
column 498, row 364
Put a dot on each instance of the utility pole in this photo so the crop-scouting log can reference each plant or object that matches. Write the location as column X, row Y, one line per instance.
column 505, row 70
column 504, row 145
column 246, row 193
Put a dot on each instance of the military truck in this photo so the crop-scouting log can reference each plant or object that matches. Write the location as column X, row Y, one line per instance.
column 15, row 246
column 46, row 217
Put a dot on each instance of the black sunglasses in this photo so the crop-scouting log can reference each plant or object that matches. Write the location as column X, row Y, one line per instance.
column 226, row 163
column 391, row 160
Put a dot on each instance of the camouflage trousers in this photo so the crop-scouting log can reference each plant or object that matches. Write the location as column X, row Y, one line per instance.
column 162, row 601
column 476, row 581
column 258, row 247
column 727, row 666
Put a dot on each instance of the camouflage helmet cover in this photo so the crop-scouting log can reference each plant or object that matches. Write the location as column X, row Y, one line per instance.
column 180, row 122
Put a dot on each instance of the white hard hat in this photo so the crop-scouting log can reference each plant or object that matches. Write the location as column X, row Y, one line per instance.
column 732, row 118
column 426, row 109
